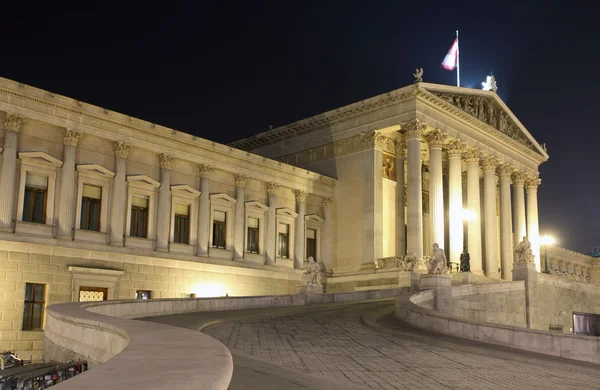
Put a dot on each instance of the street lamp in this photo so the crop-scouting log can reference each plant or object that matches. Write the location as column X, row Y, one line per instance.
column 465, row 259
column 545, row 241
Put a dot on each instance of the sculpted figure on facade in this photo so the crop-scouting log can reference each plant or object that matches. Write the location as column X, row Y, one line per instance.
column 524, row 252
column 437, row 262
column 311, row 276
column 418, row 75
column 408, row 263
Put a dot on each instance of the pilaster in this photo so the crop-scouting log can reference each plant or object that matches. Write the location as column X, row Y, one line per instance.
column 238, row 223
column 68, row 204
column 204, row 211
column 327, row 234
column 8, row 175
column 299, row 256
column 164, row 203
column 119, row 195
column 271, row 234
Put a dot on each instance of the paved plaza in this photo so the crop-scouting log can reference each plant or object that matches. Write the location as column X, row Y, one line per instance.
column 325, row 345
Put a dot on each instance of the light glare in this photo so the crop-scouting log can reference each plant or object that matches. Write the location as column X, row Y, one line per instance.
column 546, row 240
column 209, row 290
column 468, row 215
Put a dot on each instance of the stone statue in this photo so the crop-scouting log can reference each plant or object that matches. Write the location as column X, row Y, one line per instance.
column 311, row 277
column 408, row 263
column 418, row 75
column 524, row 252
column 437, row 262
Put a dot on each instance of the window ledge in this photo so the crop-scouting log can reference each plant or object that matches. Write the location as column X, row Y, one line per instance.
column 33, row 229
column 185, row 249
column 220, row 253
column 90, row 236
column 256, row 258
column 284, row 262
column 139, row 242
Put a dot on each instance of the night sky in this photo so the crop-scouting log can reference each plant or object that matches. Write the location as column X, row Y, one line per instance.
column 227, row 70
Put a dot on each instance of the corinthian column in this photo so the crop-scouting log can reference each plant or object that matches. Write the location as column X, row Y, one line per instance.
column 455, row 200
column 519, row 206
column 238, row 219
column 436, row 188
column 506, row 244
column 491, row 221
column 204, row 211
column 533, row 227
column 472, row 157
column 271, row 233
column 299, row 230
column 400, row 212
column 67, row 205
column 164, row 203
column 8, row 176
column 414, row 130
column 327, row 234
column 119, row 196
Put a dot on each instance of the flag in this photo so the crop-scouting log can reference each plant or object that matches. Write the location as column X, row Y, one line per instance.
column 450, row 59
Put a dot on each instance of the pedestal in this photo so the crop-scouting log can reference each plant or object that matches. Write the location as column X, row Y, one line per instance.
column 442, row 290
column 524, row 271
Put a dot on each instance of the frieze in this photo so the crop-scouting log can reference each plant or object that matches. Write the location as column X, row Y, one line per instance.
column 487, row 111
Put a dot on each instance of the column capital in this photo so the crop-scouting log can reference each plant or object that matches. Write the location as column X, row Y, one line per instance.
column 435, row 139
column 373, row 138
column 518, row 178
column 71, row 136
column 12, row 122
column 327, row 202
column 506, row 171
column 455, row 148
column 122, row 149
column 240, row 179
column 532, row 183
column 472, row 156
column 166, row 161
column 414, row 128
column 489, row 163
column 400, row 148
column 205, row 170
column 300, row 195
column 272, row 187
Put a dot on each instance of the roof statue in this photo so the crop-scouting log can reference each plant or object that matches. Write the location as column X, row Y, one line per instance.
column 418, row 75
column 490, row 84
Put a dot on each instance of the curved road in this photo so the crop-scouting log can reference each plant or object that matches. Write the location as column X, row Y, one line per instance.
column 329, row 347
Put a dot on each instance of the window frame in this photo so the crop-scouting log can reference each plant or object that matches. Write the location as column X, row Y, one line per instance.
column 35, row 191
column 313, row 222
column 177, row 228
column 138, row 294
column 223, row 203
column 98, row 176
column 144, row 187
column 255, row 209
column 185, row 195
column 288, row 217
column 136, row 219
column 91, row 201
column 33, row 302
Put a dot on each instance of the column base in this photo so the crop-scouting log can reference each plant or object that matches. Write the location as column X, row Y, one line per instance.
column 367, row 267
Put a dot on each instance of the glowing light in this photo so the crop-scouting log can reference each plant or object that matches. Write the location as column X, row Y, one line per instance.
column 546, row 240
column 490, row 84
column 209, row 290
column 468, row 215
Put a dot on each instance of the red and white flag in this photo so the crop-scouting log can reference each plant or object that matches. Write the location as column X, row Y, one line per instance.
column 452, row 56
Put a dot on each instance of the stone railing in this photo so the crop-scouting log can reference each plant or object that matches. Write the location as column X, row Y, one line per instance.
column 140, row 354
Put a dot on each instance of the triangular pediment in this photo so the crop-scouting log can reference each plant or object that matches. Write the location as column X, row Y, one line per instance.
column 95, row 169
column 223, row 198
column 250, row 204
column 143, row 180
column 484, row 108
column 185, row 189
column 40, row 158
column 313, row 218
column 286, row 212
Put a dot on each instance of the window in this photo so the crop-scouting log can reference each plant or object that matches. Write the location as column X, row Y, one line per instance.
column 283, row 240
column 252, row 246
column 92, row 294
column 311, row 244
column 182, row 224
column 143, row 294
column 34, row 202
column 33, row 313
column 90, row 208
column 139, row 217
column 219, row 229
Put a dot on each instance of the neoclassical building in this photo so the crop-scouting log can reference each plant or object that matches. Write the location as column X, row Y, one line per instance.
column 99, row 205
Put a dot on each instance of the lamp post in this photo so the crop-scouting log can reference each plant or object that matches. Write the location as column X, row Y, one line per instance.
column 545, row 241
column 465, row 216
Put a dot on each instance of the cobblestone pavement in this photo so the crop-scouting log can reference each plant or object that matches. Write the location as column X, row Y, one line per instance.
column 336, row 344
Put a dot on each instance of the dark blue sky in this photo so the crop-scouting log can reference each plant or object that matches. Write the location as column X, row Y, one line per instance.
column 227, row 70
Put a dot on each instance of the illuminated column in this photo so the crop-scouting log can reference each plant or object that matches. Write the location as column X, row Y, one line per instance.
column 119, row 195
column 436, row 187
column 164, row 203
column 506, row 237
column 491, row 221
column 271, row 234
column 8, row 176
column 533, row 227
column 472, row 157
column 67, row 204
column 414, row 200
column 327, row 234
column 238, row 223
column 299, row 230
column 400, row 212
column 204, row 211
column 519, row 206
column 455, row 200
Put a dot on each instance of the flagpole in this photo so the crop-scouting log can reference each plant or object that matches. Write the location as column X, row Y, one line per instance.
column 457, row 62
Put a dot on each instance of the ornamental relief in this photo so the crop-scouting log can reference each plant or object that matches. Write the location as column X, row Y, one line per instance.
column 487, row 111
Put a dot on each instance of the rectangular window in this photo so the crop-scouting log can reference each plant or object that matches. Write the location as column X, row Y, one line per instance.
column 182, row 224
column 283, row 240
column 33, row 313
column 311, row 244
column 34, row 203
column 139, row 217
column 92, row 294
column 252, row 246
column 143, row 294
column 90, row 208
column 219, row 225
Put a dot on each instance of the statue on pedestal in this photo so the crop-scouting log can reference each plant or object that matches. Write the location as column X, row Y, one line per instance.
column 437, row 263
column 311, row 277
column 524, row 252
